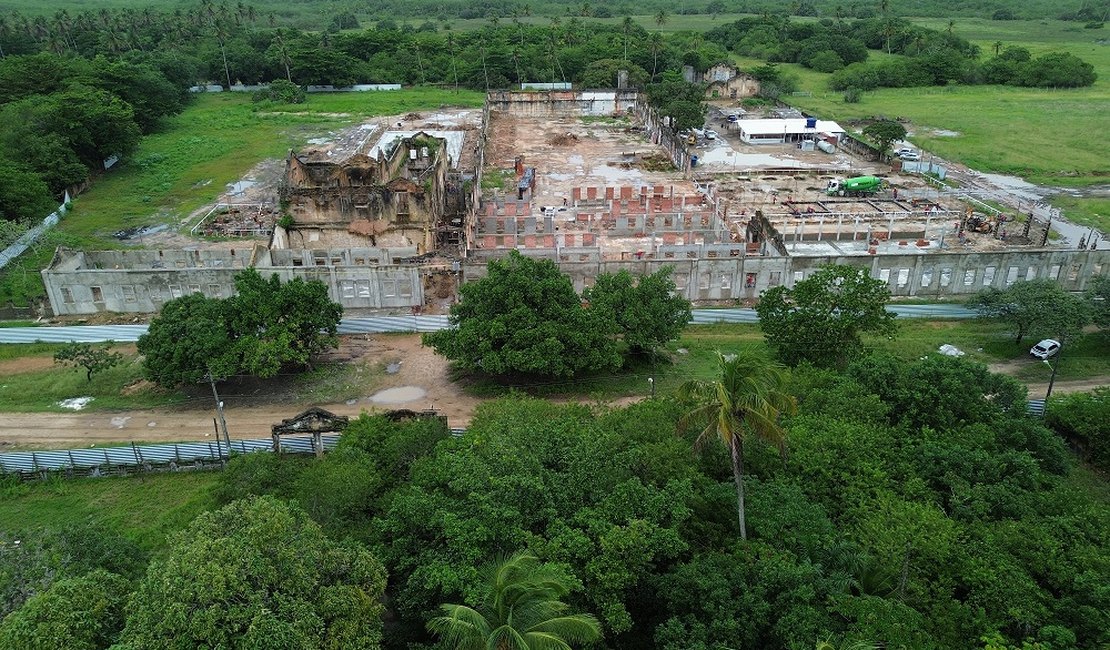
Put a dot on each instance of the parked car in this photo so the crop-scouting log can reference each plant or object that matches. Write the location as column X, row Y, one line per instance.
column 910, row 156
column 903, row 150
column 1045, row 348
column 733, row 117
column 710, row 134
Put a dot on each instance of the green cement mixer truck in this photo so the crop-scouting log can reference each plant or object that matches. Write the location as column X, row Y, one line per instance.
column 859, row 186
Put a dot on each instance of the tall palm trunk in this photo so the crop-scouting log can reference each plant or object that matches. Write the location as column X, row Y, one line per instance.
column 737, row 449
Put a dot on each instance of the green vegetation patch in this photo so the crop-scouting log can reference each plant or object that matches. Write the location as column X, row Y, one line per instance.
column 146, row 509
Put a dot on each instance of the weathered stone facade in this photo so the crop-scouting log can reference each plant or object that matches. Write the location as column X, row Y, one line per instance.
column 396, row 198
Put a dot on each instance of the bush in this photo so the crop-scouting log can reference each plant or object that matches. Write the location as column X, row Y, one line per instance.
column 281, row 91
column 1083, row 419
column 852, row 95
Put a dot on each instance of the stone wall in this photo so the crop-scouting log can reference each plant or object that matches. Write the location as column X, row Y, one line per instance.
column 555, row 103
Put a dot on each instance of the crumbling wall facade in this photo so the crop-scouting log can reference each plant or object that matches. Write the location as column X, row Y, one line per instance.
column 557, row 102
column 395, row 200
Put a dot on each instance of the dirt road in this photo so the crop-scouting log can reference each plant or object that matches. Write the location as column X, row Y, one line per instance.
column 416, row 370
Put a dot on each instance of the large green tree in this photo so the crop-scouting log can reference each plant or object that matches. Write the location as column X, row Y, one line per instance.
column 258, row 573
column 266, row 326
column 884, row 133
column 524, row 317
column 647, row 310
column 280, row 324
column 746, row 401
column 521, row 608
column 26, row 196
column 1039, row 308
column 821, row 318
column 189, row 341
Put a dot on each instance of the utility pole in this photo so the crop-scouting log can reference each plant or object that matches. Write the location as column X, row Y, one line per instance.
column 1052, row 379
column 220, row 412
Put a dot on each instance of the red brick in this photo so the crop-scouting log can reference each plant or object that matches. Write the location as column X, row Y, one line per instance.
column 591, row 193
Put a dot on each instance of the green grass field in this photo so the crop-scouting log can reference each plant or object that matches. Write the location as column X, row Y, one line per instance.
column 189, row 163
column 147, row 509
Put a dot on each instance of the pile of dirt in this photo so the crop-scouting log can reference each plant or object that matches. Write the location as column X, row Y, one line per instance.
column 414, row 116
column 563, row 140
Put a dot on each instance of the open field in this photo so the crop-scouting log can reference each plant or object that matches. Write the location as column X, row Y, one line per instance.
column 189, row 163
column 1042, row 135
column 146, row 509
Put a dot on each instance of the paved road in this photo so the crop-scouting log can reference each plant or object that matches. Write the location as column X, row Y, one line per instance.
column 379, row 324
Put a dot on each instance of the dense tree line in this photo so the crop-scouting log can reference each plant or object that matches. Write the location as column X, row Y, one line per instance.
column 929, row 57
column 61, row 117
column 889, row 520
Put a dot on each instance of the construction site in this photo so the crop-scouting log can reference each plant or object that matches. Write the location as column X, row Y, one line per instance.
column 396, row 213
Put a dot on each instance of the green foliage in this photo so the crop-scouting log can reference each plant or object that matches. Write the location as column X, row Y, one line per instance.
column 524, row 317
column 93, row 358
column 679, row 100
column 1083, row 418
column 26, row 196
column 745, row 401
column 1098, row 300
column 266, row 326
column 884, row 133
column 967, row 391
column 281, row 91
column 1038, row 308
column 521, row 609
column 41, row 558
column 648, row 312
column 188, row 341
column 294, row 587
column 83, row 613
column 821, row 318
column 608, row 496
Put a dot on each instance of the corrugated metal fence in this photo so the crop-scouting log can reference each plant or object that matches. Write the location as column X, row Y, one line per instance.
column 121, row 461
column 135, row 459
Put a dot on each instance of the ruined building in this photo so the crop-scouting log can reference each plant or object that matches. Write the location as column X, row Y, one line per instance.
column 395, row 196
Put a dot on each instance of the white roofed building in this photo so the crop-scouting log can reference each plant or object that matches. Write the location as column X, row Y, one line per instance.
column 777, row 131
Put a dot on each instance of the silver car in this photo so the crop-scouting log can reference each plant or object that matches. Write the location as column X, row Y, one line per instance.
column 1045, row 348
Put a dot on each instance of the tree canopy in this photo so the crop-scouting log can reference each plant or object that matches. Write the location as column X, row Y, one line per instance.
column 291, row 586
column 884, row 133
column 524, row 317
column 266, row 326
column 1038, row 308
column 821, row 319
column 647, row 310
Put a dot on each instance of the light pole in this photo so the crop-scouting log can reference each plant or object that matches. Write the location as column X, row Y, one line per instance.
column 651, row 380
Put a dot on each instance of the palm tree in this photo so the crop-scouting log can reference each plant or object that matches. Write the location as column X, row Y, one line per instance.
column 656, row 44
column 661, row 18
column 521, row 609
column 997, row 47
column 746, row 400
column 626, row 26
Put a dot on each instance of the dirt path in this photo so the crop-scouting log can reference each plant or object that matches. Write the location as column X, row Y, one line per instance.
column 417, row 370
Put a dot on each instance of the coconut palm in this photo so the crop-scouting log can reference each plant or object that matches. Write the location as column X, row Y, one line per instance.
column 746, row 400
column 521, row 609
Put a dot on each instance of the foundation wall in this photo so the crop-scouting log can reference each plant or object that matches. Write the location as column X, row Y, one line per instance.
column 556, row 102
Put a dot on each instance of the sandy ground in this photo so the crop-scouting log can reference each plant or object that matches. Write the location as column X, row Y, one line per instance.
column 416, row 367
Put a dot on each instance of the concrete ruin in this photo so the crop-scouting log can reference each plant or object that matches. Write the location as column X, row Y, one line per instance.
column 396, row 218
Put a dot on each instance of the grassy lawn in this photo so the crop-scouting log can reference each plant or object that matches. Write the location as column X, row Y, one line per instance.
column 146, row 509
column 191, row 160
